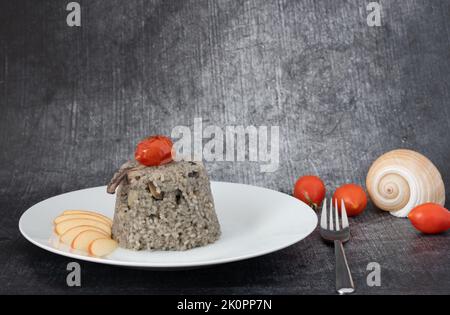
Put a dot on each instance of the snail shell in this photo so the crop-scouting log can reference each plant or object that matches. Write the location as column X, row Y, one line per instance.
column 402, row 179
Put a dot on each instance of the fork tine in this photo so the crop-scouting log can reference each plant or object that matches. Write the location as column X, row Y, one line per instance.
column 344, row 215
column 331, row 216
column 336, row 214
column 323, row 218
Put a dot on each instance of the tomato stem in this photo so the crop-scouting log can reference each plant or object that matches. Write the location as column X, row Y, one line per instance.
column 312, row 204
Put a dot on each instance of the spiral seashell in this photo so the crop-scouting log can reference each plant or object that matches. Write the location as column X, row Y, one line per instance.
column 402, row 179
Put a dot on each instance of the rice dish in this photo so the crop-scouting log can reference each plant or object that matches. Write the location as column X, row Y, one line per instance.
column 167, row 207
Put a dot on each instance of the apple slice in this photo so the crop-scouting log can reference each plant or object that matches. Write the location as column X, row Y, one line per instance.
column 84, row 239
column 102, row 247
column 65, row 217
column 66, row 225
column 69, row 235
column 88, row 212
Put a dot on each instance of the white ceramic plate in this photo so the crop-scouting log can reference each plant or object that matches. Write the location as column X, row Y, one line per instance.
column 254, row 221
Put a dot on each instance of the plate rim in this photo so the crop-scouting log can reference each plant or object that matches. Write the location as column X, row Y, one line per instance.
column 165, row 265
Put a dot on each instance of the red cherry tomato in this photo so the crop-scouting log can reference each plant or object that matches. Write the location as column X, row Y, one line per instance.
column 311, row 190
column 430, row 218
column 153, row 151
column 355, row 199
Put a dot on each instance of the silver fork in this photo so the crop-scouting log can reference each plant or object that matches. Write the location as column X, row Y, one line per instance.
column 332, row 231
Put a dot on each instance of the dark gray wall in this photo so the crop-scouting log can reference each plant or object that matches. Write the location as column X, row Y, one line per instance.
column 74, row 102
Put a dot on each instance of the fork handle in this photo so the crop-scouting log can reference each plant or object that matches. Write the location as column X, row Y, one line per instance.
column 344, row 281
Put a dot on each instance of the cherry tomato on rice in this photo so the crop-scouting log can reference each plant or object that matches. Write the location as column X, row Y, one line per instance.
column 153, row 151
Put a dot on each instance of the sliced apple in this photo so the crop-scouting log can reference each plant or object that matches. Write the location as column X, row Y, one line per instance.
column 71, row 234
column 87, row 212
column 66, row 225
column 65, row 217
column 102, row 247
column 84, row 239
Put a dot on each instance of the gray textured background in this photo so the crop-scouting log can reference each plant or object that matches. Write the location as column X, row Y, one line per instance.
column 74, row 102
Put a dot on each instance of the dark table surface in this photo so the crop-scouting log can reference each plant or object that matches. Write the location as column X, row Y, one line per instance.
column 74, row 102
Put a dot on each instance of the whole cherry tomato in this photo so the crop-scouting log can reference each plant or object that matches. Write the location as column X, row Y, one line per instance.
column 355, row 199
column 311, row 190
column 153, row 151
column 430, row 218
